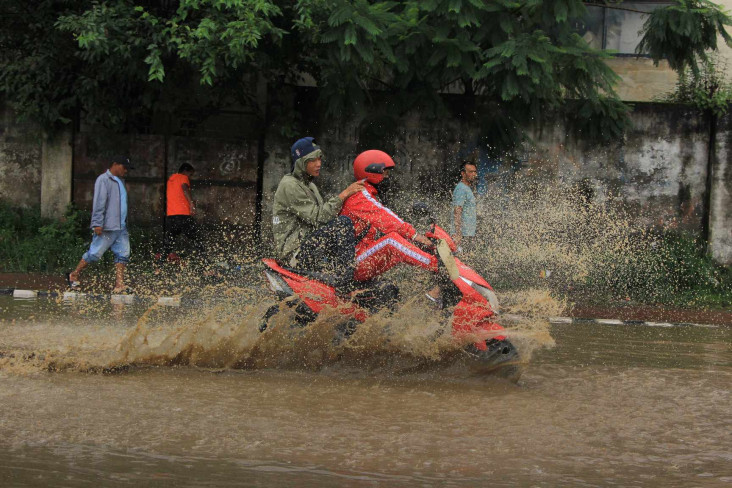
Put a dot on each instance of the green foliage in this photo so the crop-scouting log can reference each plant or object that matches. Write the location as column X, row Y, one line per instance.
column 522, row 58
column 706, row 89
column 126, row 63
column 38, row 68
column 598, row 118
column 31, row 243
column 119, row 64
column 671, row 268
column 684, row 33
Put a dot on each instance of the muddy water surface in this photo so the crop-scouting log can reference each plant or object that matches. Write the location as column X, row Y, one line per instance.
column 92, row 395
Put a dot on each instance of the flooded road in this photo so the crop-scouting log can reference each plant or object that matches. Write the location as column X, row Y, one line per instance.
column 605, row 406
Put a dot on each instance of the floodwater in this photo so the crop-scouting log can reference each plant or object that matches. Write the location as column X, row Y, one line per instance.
column 95, row 395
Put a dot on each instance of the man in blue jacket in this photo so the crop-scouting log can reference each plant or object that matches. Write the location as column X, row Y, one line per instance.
column 109, row 223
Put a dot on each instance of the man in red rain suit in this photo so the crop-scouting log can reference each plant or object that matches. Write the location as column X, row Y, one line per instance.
column 388, row 240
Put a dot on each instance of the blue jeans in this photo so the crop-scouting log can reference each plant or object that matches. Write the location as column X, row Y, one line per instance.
column 117, row 240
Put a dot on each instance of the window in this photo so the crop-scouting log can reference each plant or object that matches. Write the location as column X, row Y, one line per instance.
column 616, row 28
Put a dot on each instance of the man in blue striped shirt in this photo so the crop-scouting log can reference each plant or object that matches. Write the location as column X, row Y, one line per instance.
column 464, row 215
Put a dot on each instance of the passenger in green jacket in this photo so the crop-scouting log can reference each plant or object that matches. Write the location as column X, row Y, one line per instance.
column 308, row 232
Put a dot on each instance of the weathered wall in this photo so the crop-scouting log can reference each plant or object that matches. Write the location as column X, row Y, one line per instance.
column 721, row 212
column 641, row 80
column 56, row 173
column 223, row 185
column 20, row 161
column 658, row 169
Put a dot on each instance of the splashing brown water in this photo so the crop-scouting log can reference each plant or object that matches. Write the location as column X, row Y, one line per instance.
column 225, row 336
column 532, row 239
column 574, row 240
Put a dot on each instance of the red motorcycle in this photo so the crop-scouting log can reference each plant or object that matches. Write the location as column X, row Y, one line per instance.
column 472, row 301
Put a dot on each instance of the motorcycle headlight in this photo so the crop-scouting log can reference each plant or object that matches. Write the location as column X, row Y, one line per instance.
column 487, row 293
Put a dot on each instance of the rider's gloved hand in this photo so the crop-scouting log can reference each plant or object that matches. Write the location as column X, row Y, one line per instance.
column 420, row 238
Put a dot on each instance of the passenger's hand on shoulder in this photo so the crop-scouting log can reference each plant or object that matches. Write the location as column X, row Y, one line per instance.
column 352, row 189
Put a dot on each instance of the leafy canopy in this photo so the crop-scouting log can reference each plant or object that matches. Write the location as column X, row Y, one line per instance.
column 125, row 61
column 684, row 33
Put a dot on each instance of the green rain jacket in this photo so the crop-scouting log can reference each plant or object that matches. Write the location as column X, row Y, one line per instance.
column 299, row 209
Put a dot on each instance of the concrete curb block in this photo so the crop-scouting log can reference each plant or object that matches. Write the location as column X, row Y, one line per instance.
column 169, row 301
column 127, row 299
column 20, row 293
column 122, row 299
column 72, row 295
column 25, row 293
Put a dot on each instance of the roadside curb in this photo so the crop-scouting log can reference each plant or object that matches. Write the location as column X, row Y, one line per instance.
column 576, row 320
column 176, row 301
column 168, row 301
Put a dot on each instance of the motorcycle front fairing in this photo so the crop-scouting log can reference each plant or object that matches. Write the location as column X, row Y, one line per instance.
column 473, row 298
column 473, row 315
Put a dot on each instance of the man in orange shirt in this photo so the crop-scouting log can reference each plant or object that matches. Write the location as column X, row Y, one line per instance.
column 180, row 212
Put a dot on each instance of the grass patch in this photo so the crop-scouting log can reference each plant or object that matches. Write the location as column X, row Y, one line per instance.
column 30, row 243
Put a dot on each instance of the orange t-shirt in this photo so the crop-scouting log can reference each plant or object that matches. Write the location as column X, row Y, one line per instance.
column 177, row 202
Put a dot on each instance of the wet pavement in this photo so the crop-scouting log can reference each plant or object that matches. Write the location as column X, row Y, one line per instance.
column 597, row 405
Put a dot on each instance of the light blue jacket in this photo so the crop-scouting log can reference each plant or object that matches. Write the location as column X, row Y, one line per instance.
column 107, row 211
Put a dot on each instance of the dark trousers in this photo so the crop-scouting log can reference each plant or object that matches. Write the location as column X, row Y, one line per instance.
column 330, row 250
column 177, row 225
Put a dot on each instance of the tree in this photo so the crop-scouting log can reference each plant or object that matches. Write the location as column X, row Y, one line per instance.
column 123, row 61
column 685, row 33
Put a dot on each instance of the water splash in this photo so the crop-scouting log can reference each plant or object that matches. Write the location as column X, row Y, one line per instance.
column 225, row 335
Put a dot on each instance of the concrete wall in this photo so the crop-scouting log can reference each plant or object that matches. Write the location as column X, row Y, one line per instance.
column 720, row 238
column 20, row 161
column 658, row 169
column 721, row 215
column 56, row 173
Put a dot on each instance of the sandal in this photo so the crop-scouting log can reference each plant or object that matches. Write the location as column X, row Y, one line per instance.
column 72, row 284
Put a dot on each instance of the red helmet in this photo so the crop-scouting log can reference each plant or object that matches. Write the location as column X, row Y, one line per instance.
column 371, row 165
